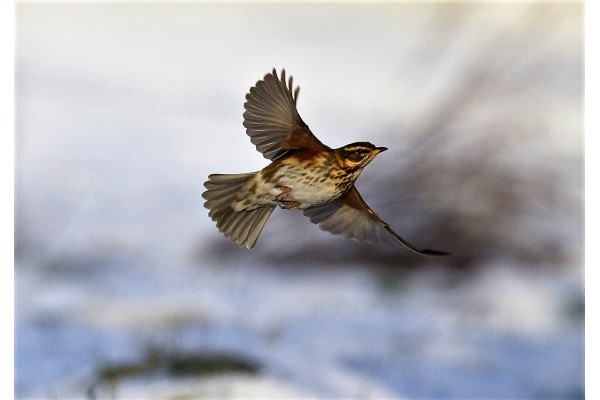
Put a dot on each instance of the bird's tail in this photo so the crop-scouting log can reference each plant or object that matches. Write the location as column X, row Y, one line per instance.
column 242, row 227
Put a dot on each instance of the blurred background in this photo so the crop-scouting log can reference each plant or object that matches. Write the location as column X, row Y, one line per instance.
column 125, row 288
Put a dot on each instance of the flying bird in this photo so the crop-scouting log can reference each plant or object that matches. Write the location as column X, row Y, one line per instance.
column 304, row 174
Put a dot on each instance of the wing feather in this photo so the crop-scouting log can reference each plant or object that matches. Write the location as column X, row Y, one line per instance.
column 351, row 217
column 272, row 120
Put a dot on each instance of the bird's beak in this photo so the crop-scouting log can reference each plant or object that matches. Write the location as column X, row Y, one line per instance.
column 380, row 149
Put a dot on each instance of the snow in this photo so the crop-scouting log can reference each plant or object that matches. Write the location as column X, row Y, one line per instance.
column 329, row 333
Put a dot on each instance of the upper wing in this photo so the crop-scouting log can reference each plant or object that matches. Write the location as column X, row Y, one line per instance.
column 351, row 217
column 272, row 121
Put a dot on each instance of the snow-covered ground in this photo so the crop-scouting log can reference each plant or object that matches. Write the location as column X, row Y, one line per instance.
column 124, row 109
column 328, row 333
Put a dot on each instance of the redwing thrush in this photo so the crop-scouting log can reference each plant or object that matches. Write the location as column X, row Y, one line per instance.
column 304, row 174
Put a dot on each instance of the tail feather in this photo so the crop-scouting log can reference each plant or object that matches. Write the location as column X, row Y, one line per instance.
column 242, row 227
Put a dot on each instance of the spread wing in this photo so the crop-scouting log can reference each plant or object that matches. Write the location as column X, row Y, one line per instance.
column 272, row 121
column 351, row 217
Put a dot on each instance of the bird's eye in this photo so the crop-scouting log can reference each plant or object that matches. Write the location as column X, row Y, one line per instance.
column 357, row 155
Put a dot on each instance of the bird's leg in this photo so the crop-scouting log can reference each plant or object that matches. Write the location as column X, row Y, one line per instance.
column 285, row 192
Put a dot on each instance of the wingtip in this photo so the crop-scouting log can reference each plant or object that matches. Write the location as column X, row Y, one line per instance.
column 277, row 75
column 436, row 253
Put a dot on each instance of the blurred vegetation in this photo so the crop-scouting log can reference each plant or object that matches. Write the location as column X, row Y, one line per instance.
column 175, row 364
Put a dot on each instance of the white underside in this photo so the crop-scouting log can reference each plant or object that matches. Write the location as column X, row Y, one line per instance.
column 306, row 193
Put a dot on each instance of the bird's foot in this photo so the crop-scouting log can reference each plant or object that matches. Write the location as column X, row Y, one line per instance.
column 286, row 205
column 285, row 192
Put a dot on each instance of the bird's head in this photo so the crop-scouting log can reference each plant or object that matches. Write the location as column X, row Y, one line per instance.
column 355, row 156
